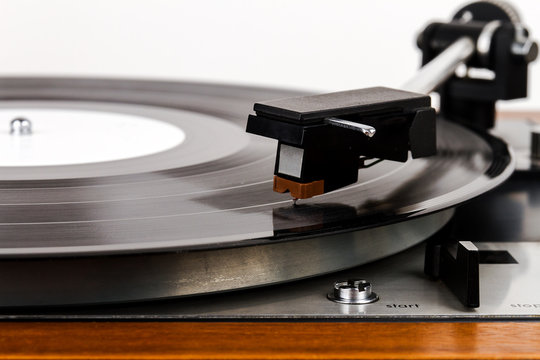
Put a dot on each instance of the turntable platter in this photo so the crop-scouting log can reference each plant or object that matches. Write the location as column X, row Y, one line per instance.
column 201, row 216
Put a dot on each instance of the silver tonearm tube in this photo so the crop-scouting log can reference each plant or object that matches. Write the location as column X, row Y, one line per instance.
column 438, row 70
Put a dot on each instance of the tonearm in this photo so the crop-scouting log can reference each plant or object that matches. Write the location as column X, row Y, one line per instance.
column 324, row 139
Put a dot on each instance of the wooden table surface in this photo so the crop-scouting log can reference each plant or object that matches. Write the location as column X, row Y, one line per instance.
column 207, row 340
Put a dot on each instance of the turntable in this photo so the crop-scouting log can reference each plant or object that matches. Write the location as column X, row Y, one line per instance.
column 172, row 204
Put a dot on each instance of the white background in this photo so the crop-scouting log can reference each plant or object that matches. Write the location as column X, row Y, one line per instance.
column 313, row 45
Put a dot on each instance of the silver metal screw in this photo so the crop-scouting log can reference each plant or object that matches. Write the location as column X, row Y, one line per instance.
column 353, row 291
column 20, row 126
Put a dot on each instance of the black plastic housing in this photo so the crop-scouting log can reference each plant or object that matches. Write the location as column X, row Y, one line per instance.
column 404, row 121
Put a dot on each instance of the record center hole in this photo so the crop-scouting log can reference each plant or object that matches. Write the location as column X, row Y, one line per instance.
column 20, row 126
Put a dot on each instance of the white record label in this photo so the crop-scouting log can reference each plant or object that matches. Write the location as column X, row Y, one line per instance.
column 71, row 136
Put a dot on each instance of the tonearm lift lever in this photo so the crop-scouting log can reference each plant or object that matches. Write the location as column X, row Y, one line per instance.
column 324, row 139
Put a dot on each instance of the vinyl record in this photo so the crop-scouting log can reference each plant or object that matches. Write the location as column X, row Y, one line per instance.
column 198, row 214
